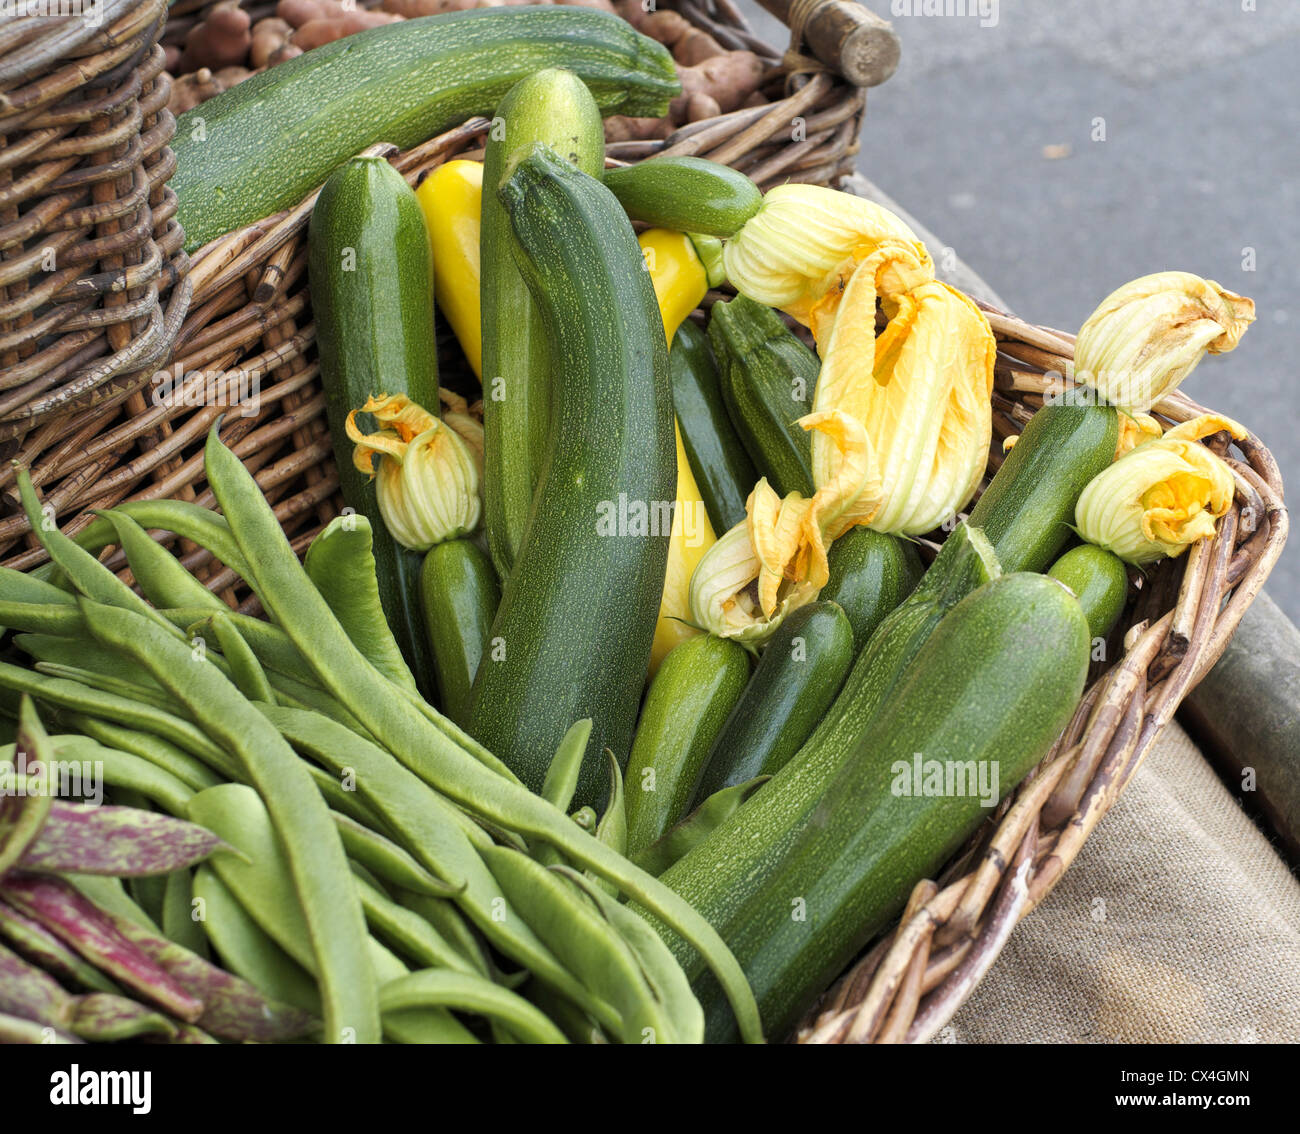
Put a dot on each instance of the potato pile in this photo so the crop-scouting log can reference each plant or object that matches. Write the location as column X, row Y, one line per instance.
column 227, row 45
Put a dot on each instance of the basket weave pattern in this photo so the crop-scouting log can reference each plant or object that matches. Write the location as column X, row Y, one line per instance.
column 90, row 253
column 250, row 319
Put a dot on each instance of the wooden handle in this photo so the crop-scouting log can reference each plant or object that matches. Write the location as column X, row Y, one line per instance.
column 844, row 35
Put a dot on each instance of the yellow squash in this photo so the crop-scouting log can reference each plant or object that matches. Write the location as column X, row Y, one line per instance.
column 680, row 283
column 451, row 198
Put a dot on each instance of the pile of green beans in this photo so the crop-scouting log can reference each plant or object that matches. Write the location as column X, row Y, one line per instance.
column 386, row 872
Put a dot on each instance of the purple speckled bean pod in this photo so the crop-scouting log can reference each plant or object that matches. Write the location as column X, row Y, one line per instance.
column 121, row 841
column 41, row 947
column 33, row 994
column 78, row 922
column 233, row 1009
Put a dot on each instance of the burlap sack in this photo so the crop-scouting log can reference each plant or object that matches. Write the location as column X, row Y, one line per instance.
column 1177, row 923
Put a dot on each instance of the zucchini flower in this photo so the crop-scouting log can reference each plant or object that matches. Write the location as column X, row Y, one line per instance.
column 427, row 477
column 775, row 561
column 1147, row 336
column 921, row 389
column 1161, row 496
column 1134, row 430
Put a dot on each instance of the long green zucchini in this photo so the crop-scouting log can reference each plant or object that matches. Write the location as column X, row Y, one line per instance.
column 572, row 636
column 977, row 710
column 723, row 471
column 371, row 278
column 802, row 668
column 870, row 574
column 768, row 377
column 554, row 108
column 690, row 699
column 265, row 144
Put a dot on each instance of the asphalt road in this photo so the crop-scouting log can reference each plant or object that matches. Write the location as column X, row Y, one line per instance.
column 1063, row 148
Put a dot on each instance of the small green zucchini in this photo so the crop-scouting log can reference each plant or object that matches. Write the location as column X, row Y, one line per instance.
column 870, row 574
column 691, row 697
column 723, row 471
column 459, row 596
column 767, row 377
column 976, row 711
column 572, row 635
column 555, row 108
column 371, row 279
column 798, row 676
column 686, row 194
column 1099, row 580
column 1028, row 507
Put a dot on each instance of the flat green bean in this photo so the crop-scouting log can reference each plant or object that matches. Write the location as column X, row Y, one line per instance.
column 106, row 683
column 81, row 652
column 125, row 770
column 23, row 586
column 178, row 922
column 387, row 860
column 562, row 776
column 245, row 670
column 60, row 620
column 341, row 563
column 271, row 645
column 438, row 988
column 408, row 933
column 190, row 521
column 162, row 577
column 170, row 758
column 445, row 916
column 400, row 727
column 315, row 853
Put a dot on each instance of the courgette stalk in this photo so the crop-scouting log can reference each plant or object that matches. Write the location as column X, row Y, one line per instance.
column 578, row 614
column 554, row 108
column 371, row 279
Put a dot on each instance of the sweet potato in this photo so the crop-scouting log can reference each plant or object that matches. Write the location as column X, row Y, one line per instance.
column 268, row 36
column 316, row 33
column 728, row 79
column 220, row 39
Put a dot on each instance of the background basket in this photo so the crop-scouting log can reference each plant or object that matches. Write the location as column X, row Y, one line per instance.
column 90, row 254
column 250, row 323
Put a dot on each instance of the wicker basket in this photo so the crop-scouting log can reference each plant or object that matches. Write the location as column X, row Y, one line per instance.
column 90, row 254
column 251, row 313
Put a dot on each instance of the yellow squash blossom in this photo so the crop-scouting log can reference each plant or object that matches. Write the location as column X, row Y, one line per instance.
column 1148, row 335
column 921, row 388
column 775, row 560
column 1134, row 429
column 1161, row 496
column 427, row 475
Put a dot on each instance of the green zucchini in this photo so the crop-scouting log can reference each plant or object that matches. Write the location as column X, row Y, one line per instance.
column 870, row 574
column 552, row 107
column 723, row 471
column 696, row 827
column 719, row 875
column 801, row 670
column 1099, row 580
column 459, row 596
column 263, row 145
column 572, row 636
column 978, row 709
column 686, row 194
column 371, row 277
column 767, row 377
column 1028, row 507
column 691, row 697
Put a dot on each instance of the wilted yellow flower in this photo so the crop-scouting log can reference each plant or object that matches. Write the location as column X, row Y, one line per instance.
column 921, row 389
column 1134, row 429
column 1148, row 335
column 792, row 250
column 1160, row 497
column 427, row 477
column 774, row 560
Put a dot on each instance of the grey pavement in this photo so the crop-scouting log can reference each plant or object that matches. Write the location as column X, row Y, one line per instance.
column 1069, row 147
